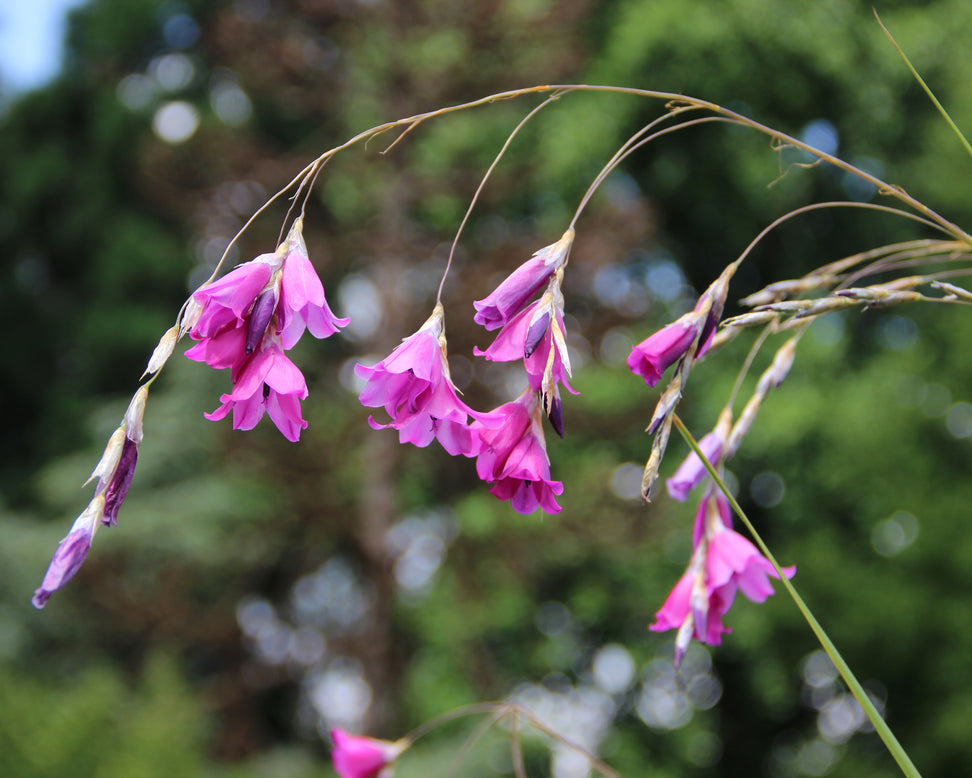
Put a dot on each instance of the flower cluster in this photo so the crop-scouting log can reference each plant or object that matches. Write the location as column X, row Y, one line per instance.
column 414, row 386
column 723, row 562
column 247, row 319
column 534, row 333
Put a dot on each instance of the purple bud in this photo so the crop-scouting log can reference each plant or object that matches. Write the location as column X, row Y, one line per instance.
column 556, row 416
column 71, row 552
column 260, row 316
column 535, row 333
column 66, row 562
column 120, row 481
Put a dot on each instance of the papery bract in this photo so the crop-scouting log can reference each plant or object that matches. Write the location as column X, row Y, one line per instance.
column 513, row 457
column 504, row 302
column 355, row 756
column 414, row 387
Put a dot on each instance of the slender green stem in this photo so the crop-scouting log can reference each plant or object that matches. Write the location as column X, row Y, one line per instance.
column 884, row 732
column 928, row 91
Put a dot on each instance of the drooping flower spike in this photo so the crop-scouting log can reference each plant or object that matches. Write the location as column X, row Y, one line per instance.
column 414, row 386
column 681, row 342
column 355, row 756
column 513, row 457
column 114, row 472
column 246, row 319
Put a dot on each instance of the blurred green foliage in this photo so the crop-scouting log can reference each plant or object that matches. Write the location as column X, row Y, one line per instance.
column 145, row 664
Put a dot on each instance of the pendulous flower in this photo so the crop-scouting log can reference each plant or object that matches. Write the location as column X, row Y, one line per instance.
column 302, row 301
column 268, row 383
column 508, row 299
column 415, row 388
column 355, row 756
column 694, row 610
column 723, row 562
column 656, row 353
column 513, row 456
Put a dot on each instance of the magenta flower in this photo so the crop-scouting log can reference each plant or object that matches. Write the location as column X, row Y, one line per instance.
column 692, row 472
column 228, row 301
column 302, row 300
column 513, row 457
column 537, row 336
column 654, row 355
column 414, row 387
column 71, row 551
column 694, row 611
column 529, row 336
column 355, row 756
column 734, row 563
column 268, row 383
column 496, row 309
column 723, row 563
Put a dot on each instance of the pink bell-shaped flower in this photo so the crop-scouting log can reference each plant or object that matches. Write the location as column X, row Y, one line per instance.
column 513, row 457
column 355, row 756
column 414, row 387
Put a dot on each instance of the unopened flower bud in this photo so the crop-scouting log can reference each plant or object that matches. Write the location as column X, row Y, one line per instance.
column 121, row 480
column 263, row 310
column 753, row 319
column 957, row 291
column 555, row 411
column 535, row 332
column 71, row 552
